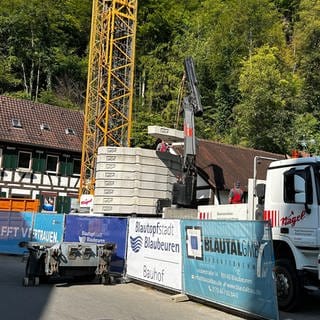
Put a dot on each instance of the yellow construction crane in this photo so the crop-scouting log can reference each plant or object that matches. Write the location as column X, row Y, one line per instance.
column 108, row 109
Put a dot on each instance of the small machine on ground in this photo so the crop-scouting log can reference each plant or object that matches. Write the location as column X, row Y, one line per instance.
column 67, row 260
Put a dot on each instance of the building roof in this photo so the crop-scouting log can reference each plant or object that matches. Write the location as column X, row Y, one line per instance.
column 40, row 125
column 45, row 126
column 225, row 164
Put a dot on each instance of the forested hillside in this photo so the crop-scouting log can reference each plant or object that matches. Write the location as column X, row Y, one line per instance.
column 257, row 62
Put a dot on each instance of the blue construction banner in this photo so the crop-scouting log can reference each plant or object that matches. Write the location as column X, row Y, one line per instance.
column 48, row 227
column 14, row 228
column 230, row 263
column 99, row 230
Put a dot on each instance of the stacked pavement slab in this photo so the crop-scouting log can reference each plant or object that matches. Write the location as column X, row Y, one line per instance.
column 132, row 180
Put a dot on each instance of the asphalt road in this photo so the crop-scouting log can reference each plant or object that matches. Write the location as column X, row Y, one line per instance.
column 120, row 301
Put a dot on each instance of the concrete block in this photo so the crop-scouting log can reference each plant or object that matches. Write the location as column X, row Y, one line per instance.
column 115, row 175
column 124, row 210
column 151, row 185
column 168, row 134
column 133, row 192
column 127, row 201
column 131, row 180
column 121, row 167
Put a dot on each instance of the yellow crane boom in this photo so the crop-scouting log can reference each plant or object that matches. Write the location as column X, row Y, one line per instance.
column 109, row 98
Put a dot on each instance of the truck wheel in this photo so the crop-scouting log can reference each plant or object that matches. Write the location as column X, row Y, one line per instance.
column 289, row 289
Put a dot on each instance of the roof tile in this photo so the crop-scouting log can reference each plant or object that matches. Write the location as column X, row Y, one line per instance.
column 225, row 164
column 32, row 115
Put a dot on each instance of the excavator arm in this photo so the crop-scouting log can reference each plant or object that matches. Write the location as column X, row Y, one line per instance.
column 184, row 191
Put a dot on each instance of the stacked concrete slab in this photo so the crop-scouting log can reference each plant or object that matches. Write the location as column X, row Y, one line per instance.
column 131, row 180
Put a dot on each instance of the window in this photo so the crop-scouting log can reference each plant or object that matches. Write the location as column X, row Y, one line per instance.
column 70, row 131
column 76, row 166
column 52, row 163
column 16, row 123
column 45, row 126
column 24, row 161
column 289, row 184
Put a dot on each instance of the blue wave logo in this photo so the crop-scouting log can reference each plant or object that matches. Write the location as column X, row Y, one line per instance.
column 136, row 243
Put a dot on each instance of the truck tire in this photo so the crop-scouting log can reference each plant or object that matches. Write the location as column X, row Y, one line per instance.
column 289, row 288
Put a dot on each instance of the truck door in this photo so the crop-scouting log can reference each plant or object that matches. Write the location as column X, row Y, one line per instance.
column 299, row 217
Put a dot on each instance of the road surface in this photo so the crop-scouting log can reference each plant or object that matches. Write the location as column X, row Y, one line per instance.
column 121, row 301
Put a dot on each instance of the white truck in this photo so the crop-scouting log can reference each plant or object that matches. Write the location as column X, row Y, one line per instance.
column 290, row 200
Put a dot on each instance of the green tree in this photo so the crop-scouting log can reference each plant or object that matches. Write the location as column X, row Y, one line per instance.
column 141, row 121
column 159, row 60
column 8, row 79
column 221, row 34
column 39, row 36
column 307, row 42
column 269, row 95
column 306, row 134
column 288, row 10
column 159, row 64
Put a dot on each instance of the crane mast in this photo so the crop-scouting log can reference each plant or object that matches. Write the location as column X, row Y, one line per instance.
column 109, row 97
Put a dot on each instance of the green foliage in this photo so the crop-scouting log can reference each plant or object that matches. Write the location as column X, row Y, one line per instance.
column 288, row 10
column 306, row 131
column 37, row 37
column 220, row 35
column 51, row 97
column 268, row 93
column 7, row 78
column 159, row 60
column 140, row 137
column 307, row 41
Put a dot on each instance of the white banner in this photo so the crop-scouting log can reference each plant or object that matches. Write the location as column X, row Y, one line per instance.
column 154, row 251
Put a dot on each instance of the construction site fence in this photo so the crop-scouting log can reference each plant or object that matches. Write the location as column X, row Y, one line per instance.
column 16, row 227
column 227, row 262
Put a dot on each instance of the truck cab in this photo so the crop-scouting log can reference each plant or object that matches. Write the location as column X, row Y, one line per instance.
column 292, row 203
column 289, row 199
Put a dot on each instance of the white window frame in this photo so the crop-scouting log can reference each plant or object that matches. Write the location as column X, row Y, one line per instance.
column 45, row 127
column 57, row 166
column 16, row 123
column 25, row 169
column 70, row 131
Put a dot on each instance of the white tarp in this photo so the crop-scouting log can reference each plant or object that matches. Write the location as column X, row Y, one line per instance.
column 154, row 251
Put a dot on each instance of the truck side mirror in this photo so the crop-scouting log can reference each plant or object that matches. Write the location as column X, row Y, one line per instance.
column 260, row 192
